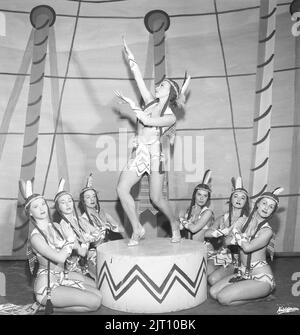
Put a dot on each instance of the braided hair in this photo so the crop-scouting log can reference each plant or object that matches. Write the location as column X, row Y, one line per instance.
column 60, row 213
column 83, row 208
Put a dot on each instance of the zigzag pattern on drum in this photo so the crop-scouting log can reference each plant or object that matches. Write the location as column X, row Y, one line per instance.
column 158, row 292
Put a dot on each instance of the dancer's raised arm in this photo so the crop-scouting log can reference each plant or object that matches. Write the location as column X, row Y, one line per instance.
column 145, row 93
column 161, row 121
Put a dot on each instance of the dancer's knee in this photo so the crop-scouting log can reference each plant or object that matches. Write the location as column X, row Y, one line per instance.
column 215, row 276
column 213, row 292
column 94, row 302
column 224, row 298
column 122, row 191
column 212, row 279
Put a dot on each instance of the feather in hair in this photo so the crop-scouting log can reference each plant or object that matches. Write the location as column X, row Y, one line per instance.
column 278, row 190
column 61, row 185
column 239, row 182
column 22, row 187
column 89, row 182
column 206, row 177
column 28, row 189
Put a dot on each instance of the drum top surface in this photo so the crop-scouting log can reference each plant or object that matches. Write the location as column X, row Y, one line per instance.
column 151, row 247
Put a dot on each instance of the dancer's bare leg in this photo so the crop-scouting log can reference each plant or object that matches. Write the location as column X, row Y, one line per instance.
column 79, row 276
column 127, row 180
column 243, row 292
column 156, row 195
column 219, row 273
column 69, row 299
column 218, row 287
column 211, row 267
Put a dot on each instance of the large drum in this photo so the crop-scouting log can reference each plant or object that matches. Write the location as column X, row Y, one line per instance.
column 156, row 276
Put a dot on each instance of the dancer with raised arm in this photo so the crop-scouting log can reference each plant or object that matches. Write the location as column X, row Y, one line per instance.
column 156, row 120
column 223, row 261
column 54, row 285
column 253, row 235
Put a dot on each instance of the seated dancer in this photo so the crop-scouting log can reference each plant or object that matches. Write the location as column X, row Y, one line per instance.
column 85, row 235
column 254, row 236
column 156, row 121
column 222, row 262
column 55, row 285
column 93, row 214
column 198, row 217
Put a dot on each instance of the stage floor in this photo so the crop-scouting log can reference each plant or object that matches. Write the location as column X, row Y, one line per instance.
column 19, row 291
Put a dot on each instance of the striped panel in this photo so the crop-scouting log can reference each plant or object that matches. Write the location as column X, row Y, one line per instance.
column 290, row 242
column 31, row 126
column 263, row 99
column 158, row 30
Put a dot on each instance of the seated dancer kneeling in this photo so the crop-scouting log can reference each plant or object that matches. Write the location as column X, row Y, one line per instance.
column 199, row 217
column 254, row 236
column 55, row 286
column 223, row 261
column 86, row 236
column 94, row 215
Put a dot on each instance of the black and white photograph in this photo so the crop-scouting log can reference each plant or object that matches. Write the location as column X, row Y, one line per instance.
column 150, row 160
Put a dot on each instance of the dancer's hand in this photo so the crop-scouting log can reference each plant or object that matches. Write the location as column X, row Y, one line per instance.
column 217, row 233
column 239, row 237
column 225, row 231
column 67, row 249
column 126, row 100
column 185, row 223
column 129, row 55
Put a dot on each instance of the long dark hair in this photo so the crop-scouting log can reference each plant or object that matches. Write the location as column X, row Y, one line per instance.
column 198, row 187
column 82, row 206
column 60, row 215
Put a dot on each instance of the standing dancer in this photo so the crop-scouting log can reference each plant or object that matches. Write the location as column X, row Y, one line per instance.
column 199, row 217
column 94, row 214
column 54, row 285
column 222, row 262
column 155, row 121
column 253, row 235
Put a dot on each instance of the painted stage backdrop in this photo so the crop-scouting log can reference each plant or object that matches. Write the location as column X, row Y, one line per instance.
column 60, row 62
